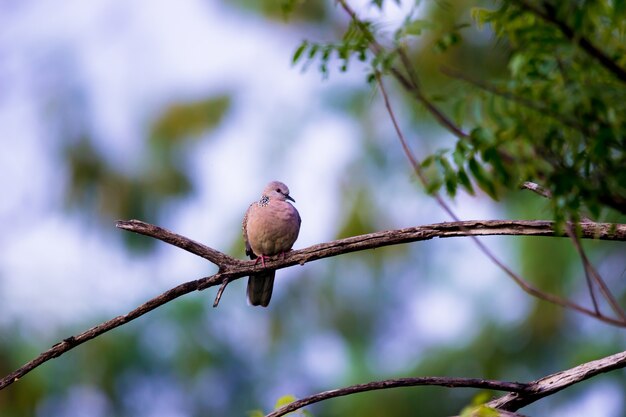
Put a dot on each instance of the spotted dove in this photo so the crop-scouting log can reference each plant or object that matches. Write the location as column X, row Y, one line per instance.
column 270, row 227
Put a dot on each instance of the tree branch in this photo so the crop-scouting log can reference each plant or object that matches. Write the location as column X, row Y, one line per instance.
column 536, row 188
column 231, row 269
column 520, row 281
column 521, row 394
column 591, row 273
column 235, row 268
column 147, row 229
column 556, row 382
column 410, row 82
column 73, row 341
column 401, row 382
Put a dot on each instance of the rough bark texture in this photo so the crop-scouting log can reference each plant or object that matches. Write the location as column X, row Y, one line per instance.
column 556, row 382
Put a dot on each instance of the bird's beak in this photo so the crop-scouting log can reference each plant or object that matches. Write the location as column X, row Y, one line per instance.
column 288, row 197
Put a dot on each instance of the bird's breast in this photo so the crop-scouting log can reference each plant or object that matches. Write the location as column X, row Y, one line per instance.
column 273, row 229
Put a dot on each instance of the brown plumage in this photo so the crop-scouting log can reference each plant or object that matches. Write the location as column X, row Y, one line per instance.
column 270, row 227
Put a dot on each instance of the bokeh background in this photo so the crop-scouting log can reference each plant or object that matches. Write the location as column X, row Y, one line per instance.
column 178, row 113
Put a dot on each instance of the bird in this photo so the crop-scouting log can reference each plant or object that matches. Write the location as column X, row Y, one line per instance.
column 270, row 227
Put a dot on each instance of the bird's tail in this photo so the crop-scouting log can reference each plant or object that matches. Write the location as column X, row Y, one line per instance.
column 260, row 288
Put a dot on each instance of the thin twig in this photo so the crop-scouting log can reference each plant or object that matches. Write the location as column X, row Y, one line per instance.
column 220, row 291
column 536, row 188
column 522, row 283
column 586, row 267
column 214, row 256
column 437, row 113
column 410, row 83
column 401, row 382
column 592, row 273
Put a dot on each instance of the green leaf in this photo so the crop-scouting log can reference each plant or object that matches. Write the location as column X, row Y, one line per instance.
column 313, row 50
column 287, row 7
column 465, row 181
column 458, row 111
column 449, row 175
column 479, row 411
column 447, row 41
column 458, row 156
column 480, row 16
column 481, row 137
column 482, row 178
column 415, row 27
column 284, row 400
column 516, row 64
column 428, row 161
column 433, row 185
column 186, row 120
column 299, row 51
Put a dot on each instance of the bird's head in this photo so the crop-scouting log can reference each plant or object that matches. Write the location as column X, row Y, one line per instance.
column 277, row 190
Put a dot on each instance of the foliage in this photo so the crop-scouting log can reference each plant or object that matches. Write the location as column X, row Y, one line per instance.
column 557, row 117
column 478, row 409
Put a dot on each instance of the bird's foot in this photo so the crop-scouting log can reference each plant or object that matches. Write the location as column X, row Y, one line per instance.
column 261, row 258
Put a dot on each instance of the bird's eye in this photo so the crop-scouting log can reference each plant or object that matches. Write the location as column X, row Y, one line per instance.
column 278, row 190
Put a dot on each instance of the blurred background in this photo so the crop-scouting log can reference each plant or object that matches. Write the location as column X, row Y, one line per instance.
column 178, row 113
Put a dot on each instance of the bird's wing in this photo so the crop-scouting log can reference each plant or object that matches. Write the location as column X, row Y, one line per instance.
column 244, row 227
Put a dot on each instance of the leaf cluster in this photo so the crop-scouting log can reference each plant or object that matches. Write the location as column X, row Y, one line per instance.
column 353, row 46
column 558, row 116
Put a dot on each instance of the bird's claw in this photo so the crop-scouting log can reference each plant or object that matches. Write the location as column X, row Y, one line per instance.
column 262, row 258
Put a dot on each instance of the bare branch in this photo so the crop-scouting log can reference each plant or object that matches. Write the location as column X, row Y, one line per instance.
column 437, row 113
column 536, row 188
column 232, row 269
column 591, row 274
column 501, row 413
column 401, row 382
column 220, row 291
column 73, row 341
column 521, row 394
column 237, row 268
column 210, row 254
column 556, row 382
